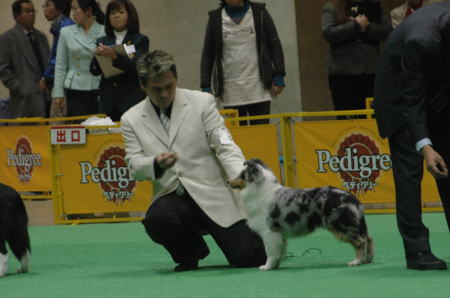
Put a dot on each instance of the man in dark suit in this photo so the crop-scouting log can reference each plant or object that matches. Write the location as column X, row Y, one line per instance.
column 412, row 94
column 24, row 52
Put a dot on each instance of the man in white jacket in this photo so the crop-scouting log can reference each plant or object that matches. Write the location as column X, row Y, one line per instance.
column 177, row 139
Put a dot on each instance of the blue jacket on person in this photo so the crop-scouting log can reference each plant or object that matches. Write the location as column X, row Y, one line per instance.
column 57, row 25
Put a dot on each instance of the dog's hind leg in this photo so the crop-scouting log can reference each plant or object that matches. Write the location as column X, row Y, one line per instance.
column 3, row 258
column 370, row 250
column 19, row 242
column 360, row 246
column 275, row 246
column 359, row 243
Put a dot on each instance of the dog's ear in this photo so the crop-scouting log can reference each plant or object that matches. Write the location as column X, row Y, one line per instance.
column 259, row 161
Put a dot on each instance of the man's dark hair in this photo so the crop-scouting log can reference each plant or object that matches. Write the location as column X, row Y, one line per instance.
column 133, row 18
column 62, row 6
column 17, row 7
column 155, row 64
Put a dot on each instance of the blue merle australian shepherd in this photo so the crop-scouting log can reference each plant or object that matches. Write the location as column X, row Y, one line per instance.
column 13, row 229
column 276, row 212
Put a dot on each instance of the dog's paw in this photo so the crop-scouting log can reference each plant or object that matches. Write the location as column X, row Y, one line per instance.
column 264, row 267
column 22, row 270
column 355, row 262
column 3, row 264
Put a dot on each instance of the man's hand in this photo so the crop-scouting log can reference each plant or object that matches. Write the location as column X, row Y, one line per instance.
column 275, row 90
column 166, row 160
column 43, row 86
column 58, row 107
column 435, row 163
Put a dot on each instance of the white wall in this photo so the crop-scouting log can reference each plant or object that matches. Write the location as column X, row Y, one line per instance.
column 178, row 26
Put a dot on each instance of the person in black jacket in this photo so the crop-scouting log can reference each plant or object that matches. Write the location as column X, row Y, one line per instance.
column 120, row 92
column 354, row 47
column 242, row 60
column 412, row 109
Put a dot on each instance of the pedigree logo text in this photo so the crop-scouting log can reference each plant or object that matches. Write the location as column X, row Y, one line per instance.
column 23, row 159
column 357, row 160
column 111, row 174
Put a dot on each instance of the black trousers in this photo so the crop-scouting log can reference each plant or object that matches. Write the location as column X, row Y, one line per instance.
column 81, row 102
column 176, row 223
column 349, row 92
column 408, row 172
column 254, row 109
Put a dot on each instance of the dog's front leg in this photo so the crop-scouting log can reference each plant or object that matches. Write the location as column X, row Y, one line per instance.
column 3, row 264
column 275, row 247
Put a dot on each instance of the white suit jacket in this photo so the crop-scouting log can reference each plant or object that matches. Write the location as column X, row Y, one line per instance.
column 207, row 155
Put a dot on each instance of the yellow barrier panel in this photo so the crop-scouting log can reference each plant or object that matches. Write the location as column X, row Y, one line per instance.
column 300, row 141
column 25, row 158
column 94, row 178
column 25, row 154
column 351, row 156
column 259, row 141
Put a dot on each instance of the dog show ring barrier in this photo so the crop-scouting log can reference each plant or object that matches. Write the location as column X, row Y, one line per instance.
column 349, row 154
column 82, row 169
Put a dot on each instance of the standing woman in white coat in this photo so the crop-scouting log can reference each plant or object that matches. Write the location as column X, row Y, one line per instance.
column 76, row 90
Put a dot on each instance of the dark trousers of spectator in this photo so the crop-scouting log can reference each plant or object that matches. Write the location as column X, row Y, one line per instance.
column 81, row 103
column 349, row 92
column 177, row 223
column 407, row 166
column 254, row 109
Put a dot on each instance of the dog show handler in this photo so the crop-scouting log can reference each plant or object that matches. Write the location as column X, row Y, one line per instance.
column 177, row 139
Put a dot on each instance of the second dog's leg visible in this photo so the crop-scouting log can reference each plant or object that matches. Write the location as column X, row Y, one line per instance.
column 3, row 264
column 3, row 258
column 275, row 247
column 24, row 263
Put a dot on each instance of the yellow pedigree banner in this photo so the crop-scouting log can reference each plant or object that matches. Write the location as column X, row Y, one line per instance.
column 351, row 155
column 259, row 141
column 95, row 178
column 25, row 158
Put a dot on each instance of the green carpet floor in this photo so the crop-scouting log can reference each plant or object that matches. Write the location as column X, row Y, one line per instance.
column 118, row 260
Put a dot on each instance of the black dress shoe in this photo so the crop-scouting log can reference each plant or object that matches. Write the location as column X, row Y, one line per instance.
column 186, row 266
column 425, row 260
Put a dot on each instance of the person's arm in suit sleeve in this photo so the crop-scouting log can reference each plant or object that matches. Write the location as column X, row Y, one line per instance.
column 141, row 46
column 61, row 64
column 207, row 59
column 337, row 33
column 220, row 140
column 140, row 165
column 7, row 74
column 415, row 62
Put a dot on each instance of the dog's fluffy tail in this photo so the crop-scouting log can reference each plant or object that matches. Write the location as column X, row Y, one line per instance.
column 363, row 227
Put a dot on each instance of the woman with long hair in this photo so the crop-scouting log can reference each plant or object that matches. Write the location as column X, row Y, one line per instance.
column 354, row 31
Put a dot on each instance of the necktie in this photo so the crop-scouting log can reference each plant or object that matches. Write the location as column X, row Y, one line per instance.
column 165, row 121
column 36, row 50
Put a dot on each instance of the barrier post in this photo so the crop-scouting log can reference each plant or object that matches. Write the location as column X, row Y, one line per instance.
column 286, row 141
